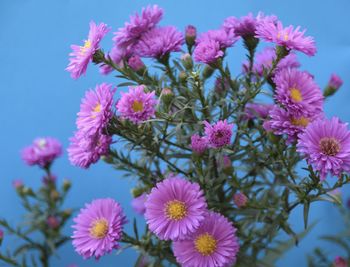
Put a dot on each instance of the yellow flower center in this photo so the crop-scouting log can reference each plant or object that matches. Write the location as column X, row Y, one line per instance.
column 86, row 46
column 285, row 36
column 95, row 110
column 329, row 146
column 205, row 244
column 175, row 210
column 99, row 228
column 295, row 94
column 302, row 121
column 137, row 106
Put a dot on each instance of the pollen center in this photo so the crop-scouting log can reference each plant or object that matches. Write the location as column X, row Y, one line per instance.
column 295, row 94
column 302, row 121
column 205, row 244
column 42, row 143
column 329, row 146
column 137, row 106
column 99, row 228
column 86, row 46
column 175, row 210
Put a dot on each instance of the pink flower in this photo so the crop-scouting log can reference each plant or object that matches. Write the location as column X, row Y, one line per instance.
column 82, row 55
column 240, row 199
column 198, row 144
column 218, row 134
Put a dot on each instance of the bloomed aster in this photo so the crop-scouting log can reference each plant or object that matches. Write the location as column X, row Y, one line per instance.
column 175, row 208
column 292, row 39
column 43, row 151
column 82, row 55
column 326, row 145
column 98, row 228
column 159, row 42
column 263, row 61
column 132, row 31
column 85, row 150
column 297, row 92
column 218, row 134
column 282, row 122
column 96, row 109
column 137, row 105
column 213, row 244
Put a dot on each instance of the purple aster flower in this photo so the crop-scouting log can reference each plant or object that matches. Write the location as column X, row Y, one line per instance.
column 132, row 31
column 326, row 145
column 82, row 55
column 138, row 204
column 240, row 199
column 211, row 45
column 257, row 110
column 335, row 82
column 219, row 134
column 137, row 105
column 96, row 109
column 246, row 26
column 175, row 208
column 213, row 244
column 297, row 92
column 207, row 51
column 263, row 61
column 340, row 262
column 98, row 228
column 198, row 144
column 159, row 42
column 85, row 150
column 42, row 152
column 292, row 39
column 282, row 122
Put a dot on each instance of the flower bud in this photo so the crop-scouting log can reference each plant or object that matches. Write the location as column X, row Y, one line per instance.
column 1, row 236
column 66, row 185
column 240, row 199
column 207, row 72
column 334, row 83
column 190, row 35
column 226, row 164
column 137, row 191
column 66, row 213
column 53, row 222
column 54, row 195
column 137, row 64
column 167, row 95
column 183, row 77
column 187, row 61
column 27, row 191
column 17, row 184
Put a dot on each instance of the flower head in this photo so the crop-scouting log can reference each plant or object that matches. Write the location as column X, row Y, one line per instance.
column 98, row 228
column 42, row 152
column 297, row 92
column 292, row 39
column 82, row 55
column 198, row 144
column 85, row 150
column 159, row 42
column 138, row 204
column 137, row 105
column 190, row 34
column 132, row 31
column 282, row 122
column 53, row 222
column 214, row 243
column 326, row 145
column 96, row 109
column 175, row 208
column 218, row 134
column 340, row 262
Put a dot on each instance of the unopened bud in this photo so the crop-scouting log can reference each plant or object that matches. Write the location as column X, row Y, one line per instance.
column 167, row 95
column 183, row 77
column 53, row 222
column 190, row 35
column 66, row 213
column 66, row 185
column 207, row 72
column 240, row 199
column 54, row 195
column 187, row 61
column 137, row 64
column 335, row 82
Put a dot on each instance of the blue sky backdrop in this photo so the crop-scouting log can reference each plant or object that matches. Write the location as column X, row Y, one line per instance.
column 38, row 98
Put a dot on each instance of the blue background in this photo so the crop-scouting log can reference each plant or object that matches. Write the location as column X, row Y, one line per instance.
column 38, row 98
